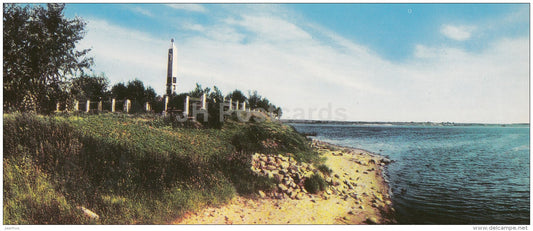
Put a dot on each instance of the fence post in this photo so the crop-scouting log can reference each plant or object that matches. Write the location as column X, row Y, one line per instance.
column 127, row 106
column 237, row 106
column 230, row 104
column 113, row 105
column 147, row 106
column 186, row 109
column 100, row 105
column 88, row 106
column 204, row 106
column 244, row 106
column 57, row 107
column 76, row 105
column 166, row 103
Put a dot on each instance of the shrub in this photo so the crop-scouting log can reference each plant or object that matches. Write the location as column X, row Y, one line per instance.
column 324, row 169
column 315, row 184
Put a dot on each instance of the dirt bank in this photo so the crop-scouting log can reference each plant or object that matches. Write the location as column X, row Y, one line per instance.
column 357, row 194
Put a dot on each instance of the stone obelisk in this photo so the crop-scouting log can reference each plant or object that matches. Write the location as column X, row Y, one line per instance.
column 172, row 70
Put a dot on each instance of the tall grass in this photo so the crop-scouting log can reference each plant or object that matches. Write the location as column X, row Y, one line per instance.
column 129, row 170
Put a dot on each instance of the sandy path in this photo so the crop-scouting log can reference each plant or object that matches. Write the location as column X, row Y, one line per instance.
column 367, row 202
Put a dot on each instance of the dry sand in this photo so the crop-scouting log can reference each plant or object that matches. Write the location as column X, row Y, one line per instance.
column 367, row 202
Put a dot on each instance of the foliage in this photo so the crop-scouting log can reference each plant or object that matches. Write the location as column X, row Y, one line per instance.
column 138, row 94
column 39, row 54
column 90, row 87
column 324, row 169
column 237, row 95
column 128, row 169
column 257, row 101
column 315, row 184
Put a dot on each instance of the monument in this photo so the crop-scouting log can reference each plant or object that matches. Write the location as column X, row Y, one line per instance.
column 172, row 69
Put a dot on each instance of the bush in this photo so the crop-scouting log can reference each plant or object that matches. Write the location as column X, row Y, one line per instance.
column 324, row 169
column 315, row 184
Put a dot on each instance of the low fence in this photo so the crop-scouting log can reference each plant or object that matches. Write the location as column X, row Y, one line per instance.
column 192, row 106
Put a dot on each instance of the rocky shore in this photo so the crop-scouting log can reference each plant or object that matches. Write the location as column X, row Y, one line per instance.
column 356, row 192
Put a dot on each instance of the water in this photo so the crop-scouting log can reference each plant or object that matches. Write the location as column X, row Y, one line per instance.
column 447, row 175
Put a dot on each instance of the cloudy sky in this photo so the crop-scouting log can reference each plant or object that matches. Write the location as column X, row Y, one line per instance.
column 357, row 62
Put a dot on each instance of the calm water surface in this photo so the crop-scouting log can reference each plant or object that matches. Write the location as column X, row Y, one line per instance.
column 447, row 175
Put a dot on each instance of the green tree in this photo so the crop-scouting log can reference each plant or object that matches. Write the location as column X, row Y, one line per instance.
column 237, row 95
column 90, row 87
column 119, row 91
column 39, row 55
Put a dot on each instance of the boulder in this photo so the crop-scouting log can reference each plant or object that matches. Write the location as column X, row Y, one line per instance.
column 372, row 220
column 282, row 187
column 262, row 194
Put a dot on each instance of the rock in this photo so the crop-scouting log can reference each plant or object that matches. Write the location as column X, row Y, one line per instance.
column 299, row 196
column 284, row 165
column 328, row 191
column 282, row 187
column 89, row 213
column 388, row 203
column 361, row 207
column 375, row 205
column 372, row 220
column 271, row 159
column 262, row 194
column 351, row 213
column 336, row 176
column 365, row 172
column 329, row 180
column 278, row 177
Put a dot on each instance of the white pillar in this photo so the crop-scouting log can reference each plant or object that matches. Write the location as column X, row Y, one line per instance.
column 57, row 107
column 127, row 105
column 100, row 105
column 76, row 105
column 204, row 106
column 237, row 105
column 244, row 106
column 113, row 105
column 230, row 104
column 186, row 106
column 88, row 106
column 147, row 106
column 166, row 103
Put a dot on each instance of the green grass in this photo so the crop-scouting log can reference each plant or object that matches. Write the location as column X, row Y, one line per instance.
column 131, row 169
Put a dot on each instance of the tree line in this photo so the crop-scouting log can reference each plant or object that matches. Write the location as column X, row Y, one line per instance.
column 43, row 67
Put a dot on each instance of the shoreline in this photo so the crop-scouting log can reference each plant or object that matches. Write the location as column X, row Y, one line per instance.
column 357, row 193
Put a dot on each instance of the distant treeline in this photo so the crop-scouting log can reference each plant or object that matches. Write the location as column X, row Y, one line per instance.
column 296, row 121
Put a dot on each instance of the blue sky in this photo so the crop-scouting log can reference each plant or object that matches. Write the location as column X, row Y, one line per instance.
column 363, row 62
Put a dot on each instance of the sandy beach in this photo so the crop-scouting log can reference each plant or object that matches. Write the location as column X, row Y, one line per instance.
column 357, row 194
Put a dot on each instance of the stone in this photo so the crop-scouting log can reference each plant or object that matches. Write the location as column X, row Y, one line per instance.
column 329, row 180
column 372, row 220
column 365, row 172
column 262, row 194
column 328, row 191
column 361, row 207
column 271, row 167
column 89, row 213
column 336, row 176
column 284, row 165
column 278, row 177
column 282, row 187
column 351, row 213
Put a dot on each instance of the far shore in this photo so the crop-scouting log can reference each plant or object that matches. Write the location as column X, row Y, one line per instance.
column 358, row 194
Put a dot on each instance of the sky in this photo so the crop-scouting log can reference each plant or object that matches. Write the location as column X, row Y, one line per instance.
column 349, row 62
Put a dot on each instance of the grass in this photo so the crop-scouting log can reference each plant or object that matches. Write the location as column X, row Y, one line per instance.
column 131, row 169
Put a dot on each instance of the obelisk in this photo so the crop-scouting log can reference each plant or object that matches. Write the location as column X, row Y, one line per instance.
column 172, row 70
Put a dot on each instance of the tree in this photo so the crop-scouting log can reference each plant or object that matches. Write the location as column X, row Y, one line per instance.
column 119, row 91
column 39, row 55
column 237, row 95
column 90, row 87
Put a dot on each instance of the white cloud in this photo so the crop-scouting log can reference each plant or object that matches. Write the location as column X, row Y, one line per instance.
column 459, row 33
column 142, row 11
column 339, row 78
column 188, row 7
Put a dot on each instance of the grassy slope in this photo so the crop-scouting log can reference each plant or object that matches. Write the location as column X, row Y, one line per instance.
column 130, row 169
